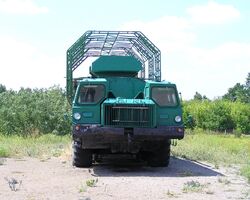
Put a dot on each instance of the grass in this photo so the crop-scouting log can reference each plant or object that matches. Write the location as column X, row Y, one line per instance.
column 82, row 188
column 245, row 171
column 218, row 149
column 91, row 182
column 47, row 145
column 3, row 152
column 171, row 194
column 193, row 186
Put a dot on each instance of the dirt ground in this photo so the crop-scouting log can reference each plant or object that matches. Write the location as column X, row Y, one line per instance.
column 56, row 179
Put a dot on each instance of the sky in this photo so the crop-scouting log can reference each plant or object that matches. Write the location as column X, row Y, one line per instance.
column 205, row 44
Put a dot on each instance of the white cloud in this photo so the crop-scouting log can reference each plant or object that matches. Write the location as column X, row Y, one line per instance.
column 168, row 32
column 23, row 65
column 213, row 13
column 210, row 71
column 21, row 7
column 213, row 71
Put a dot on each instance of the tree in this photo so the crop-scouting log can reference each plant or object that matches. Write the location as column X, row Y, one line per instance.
column 235, row 93
column 248, row 81
column 205, row 97
column 240, row 92
column 247, row 87
column 198, row 96
column 2, row 88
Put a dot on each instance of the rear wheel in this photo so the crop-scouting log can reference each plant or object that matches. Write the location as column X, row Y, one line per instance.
column 161, row 157
column 81, row 157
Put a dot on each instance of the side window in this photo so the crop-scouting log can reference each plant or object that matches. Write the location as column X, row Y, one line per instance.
column 90, row 93
column 164, row 96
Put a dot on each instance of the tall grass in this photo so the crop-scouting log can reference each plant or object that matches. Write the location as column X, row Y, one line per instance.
column 215, row 148
column 212, row 147
column 46, row 145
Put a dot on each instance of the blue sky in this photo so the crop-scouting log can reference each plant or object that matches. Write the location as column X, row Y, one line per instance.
column 205, row 45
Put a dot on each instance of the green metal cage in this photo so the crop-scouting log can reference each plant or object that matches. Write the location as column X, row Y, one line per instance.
column 122, row 43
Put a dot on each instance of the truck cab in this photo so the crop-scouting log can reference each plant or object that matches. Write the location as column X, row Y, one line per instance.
column 118, row 109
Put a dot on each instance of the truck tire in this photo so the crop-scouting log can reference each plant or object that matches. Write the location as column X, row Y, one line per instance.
column 161, row 157
column 81, row 157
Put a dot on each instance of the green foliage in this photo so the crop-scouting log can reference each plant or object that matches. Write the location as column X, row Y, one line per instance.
column 240, row 92
column 2, row 88
column 3, row 152
column 218, row 115
column 197, row 96
column 192, row 186
column 91, row 182
column 34, row 111
column 241, row 116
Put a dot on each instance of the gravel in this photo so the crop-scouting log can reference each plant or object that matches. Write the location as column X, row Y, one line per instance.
column 118, row 178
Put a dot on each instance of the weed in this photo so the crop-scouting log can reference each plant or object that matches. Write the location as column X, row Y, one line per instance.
column 91, row 182
column 13, row 183
column 192, row 186
column 171, row 194
column 3, row 152
column 82, row 188
column 245, row 171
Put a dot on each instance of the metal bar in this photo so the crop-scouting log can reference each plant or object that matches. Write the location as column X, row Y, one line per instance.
column 133, row 43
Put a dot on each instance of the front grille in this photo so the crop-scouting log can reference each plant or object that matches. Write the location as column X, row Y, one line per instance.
column 128, row 115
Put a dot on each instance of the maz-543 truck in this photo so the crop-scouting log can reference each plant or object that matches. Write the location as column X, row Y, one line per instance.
column 123, row 107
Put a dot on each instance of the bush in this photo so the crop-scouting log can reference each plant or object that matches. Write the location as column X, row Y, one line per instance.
column 34, row 111
column 241, row 116
column 42, row 111
column 218, row 115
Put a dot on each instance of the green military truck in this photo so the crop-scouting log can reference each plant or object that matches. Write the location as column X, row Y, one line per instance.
column 123, row 106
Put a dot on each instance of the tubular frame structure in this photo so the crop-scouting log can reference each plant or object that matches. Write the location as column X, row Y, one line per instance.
column 122, row 43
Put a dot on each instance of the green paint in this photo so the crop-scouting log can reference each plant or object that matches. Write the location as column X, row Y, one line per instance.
column 107, row 66
column 120, row 96
column 135, row 52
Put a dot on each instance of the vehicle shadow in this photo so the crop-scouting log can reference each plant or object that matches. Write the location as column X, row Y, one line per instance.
column 177, row 168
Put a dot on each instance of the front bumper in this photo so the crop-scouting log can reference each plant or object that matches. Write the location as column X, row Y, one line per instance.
column 102, row 137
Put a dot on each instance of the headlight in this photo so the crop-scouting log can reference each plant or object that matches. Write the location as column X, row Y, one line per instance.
column 177, row 118
column 77, row 116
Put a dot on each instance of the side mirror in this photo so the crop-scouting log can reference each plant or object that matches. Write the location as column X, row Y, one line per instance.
column 180, row 96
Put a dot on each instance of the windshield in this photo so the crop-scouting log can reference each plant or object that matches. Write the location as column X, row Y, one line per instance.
column 90, row 93
column 164, row 96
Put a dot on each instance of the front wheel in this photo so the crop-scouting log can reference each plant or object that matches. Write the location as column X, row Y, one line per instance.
column 161, row 157
column 81, row 157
